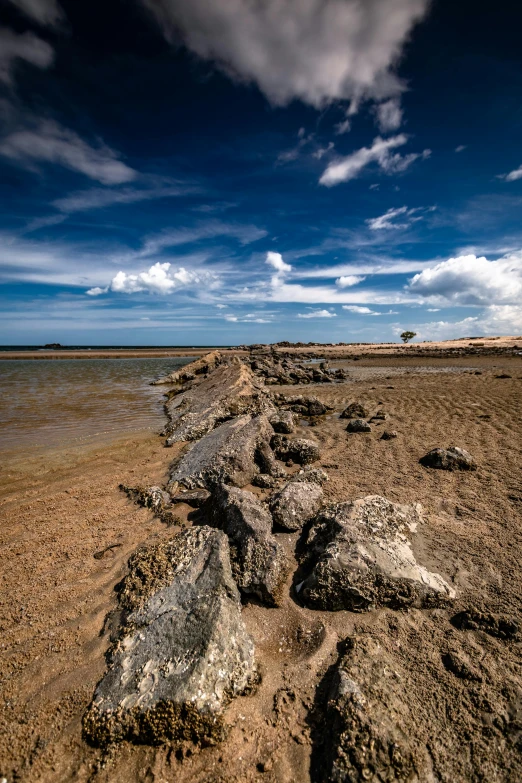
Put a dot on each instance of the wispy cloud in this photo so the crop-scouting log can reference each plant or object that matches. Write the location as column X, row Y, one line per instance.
column 367, row 310
column 26, row 47
column 461, row 148
column 512, row 176
column 389, row 115
column 46, row 12
column 408, row 216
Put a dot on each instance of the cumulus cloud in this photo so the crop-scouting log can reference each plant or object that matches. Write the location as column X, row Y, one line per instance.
column 317, row 51
column 45, row 12
column 346, row 281
column 349, row 167
column 160, row 278
column 51, row 143
column 512, row 176
column 493, row 320
column 469, row 280
column 275, row 260
column 389, row 115
column 387, row 221
column 317, row 314
column 26, row 47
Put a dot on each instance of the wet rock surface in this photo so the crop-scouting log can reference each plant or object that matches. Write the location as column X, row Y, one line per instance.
column 295, row 504
column 358, row 556
column 227, row 454
column 231, row 390
column 182, row 651
column 452, row 458
column 260, row 565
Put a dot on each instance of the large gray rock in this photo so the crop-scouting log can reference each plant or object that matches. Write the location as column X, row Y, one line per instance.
column 231, row 390
column 227, row 454
column 295, row 504
column 355, row 411
column 360, row 557
column 299, row 450
column 452, row 458
column 358, row 425
column 183, row 651
column 200, row 366
column 260, row 565
column 369, row 723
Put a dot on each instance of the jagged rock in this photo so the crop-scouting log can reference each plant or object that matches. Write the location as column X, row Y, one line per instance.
column 200, row 366
column 388, row 435
column 182, row 652
column 231, row 390
column 452, row 458
column 305, row 406
column 299, row 450
column 355, row 411
column 359, row 557
column 358, row 425
column 227, row 454
column 283, row 422
column 295, row 504
column 155, row 498
column 311, row 475
column 192, row 497
column 368, row 720
column 260, row 565
column 265, row 481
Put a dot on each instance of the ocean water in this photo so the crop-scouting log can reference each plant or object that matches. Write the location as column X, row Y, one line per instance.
column 71, row 401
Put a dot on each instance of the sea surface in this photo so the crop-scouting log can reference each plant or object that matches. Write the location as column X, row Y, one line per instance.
column 74, row 401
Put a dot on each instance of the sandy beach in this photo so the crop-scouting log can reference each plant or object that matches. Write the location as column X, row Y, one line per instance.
column 68, row 531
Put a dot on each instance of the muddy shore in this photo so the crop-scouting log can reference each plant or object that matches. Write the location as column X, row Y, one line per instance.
column 58, row 600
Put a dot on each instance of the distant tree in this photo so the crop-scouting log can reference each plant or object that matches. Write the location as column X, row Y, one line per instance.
column 406, row 336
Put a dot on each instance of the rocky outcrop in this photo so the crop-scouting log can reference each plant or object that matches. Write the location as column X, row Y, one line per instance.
column 200, row 366
column 231, row 390
column 359, row 557
column 260, row 565
column 369, row 722
column 299, row 450
column 276, row 368
column 182, row 652
column 452, row 458
column 304, row 405
column 229, row 454
column 295, row 504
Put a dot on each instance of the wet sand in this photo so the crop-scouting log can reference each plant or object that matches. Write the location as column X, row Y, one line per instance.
column 56, row 598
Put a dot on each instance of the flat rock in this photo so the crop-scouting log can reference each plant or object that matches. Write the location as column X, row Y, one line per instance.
column 369, row 723
column 358, row 425
column 300, row 450
column 227, row 454
column 231, row 390
column 359, row 557
column 283, row 422
column 452, row 458
column 182, row 652
column 355, row 411
column 260, row 565
column 295, row 504
column 200, row 366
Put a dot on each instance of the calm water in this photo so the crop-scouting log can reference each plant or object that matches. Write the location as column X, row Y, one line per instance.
column 66, row 402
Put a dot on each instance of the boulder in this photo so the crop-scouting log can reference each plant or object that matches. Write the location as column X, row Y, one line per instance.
column 369, row 722
column 182, row 652
column 299, row 450
column 295, row 504
column 358, row 425
column 283, row 422
column 231, row 390
column 200, row 366
column 355, row 411
column 260, row 565
column 359, row 557
column 227, row 454
column 452, row 458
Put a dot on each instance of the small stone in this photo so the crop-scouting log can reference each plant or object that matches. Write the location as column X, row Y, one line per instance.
column 358, row 425
column 389, row 435
column 355, row 411
column 452, row 458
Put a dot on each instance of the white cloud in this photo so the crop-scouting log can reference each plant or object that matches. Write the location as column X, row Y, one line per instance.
column 409, row 216
column 96, row 198
column 45, row 12
column 349, row 167
column 275, row 260
column 493, row 320
column 317, row 314
column 28, row 47
column 344, row 126
column 318, row 51
column 96, row 291
column 51, row 143
column 346, row 281
column 461, row 148
column 469, row 280
column 389, row 115
column 358, row 309
column 221, row 306
column 160, row 278
column 388, row 267
column 512, row 176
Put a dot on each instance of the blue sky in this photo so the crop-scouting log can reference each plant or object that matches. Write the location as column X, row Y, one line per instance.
column 226, row 172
